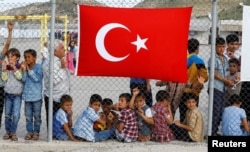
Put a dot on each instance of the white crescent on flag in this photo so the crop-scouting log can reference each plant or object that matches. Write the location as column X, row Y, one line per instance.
column 99, row 42
column 245, row 51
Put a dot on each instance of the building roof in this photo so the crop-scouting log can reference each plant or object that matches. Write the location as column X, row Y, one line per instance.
column 224, row 25
column 200, row 24
column 230, row 25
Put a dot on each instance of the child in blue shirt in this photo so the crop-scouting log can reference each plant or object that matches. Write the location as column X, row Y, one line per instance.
column 234, row 119
column 62, row 121
column 83, row 128
column 32, row 94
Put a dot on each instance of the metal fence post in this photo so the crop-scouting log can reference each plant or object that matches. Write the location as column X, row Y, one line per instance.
column 211, row 75
column 51, row 68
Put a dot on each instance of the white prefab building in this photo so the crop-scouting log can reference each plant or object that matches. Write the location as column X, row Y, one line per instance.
column 200, row 29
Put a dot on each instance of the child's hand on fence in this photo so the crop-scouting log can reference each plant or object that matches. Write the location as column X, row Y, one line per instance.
column 10, row 25
column 201, row 80
column 136, row 91
column 24, row 66
column 237, row 78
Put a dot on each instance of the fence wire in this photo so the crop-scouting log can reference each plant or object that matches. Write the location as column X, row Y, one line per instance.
column 27, row 34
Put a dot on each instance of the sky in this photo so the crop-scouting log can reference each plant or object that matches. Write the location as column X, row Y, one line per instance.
column 120, row 3
column 117, row 3
column 19, row 1
column 111, row 3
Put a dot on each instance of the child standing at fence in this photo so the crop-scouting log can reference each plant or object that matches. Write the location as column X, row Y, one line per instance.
column 83, row 129
column 127, row 129
column 163, row 117
column 233, row 75
column 197, row 75
column 32, row 94
column 143, row 114
column 234, row 119
column 232, row 50
column 62, row 121
column 220, row 69
column 12, row 76
column 192, row 128
column 10, row 26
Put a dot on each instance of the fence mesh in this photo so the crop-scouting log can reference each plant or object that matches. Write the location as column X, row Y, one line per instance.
column 27, row 35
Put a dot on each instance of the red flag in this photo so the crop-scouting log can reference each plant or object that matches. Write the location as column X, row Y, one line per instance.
column 133, row 42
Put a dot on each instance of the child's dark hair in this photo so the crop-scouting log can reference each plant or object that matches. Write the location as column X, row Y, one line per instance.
column 235, row 99
column 31, row 51
column 65, row 98
column 232, row 38
column 191, row 96
column 193, row 45
column 235, row 61
column 142, row 95
column 14, row 52
column 127, row 96
column 107, row 102
column 220, row 41
column 95, row 98
column 161, row 95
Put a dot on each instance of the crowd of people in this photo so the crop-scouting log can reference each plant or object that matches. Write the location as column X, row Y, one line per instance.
column 134, row 117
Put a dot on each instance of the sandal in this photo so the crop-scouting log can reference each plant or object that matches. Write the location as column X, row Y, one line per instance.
column 28, row 136
column 14, row 137
column 35, row 136
column 6, row 136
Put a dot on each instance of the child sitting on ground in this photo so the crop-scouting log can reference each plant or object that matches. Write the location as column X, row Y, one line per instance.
column 83, row 128
column 110, row 116
column 234, row 119
column 162, row 116
column 127, row 129
column 191, row 129
column 143, row 114
column 62, row 121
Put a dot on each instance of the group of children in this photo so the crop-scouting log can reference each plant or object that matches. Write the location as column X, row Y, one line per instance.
column 129, row 120
column 227, row 98
column 23, row 81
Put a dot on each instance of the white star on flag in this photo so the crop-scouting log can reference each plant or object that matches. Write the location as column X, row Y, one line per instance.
column 140, row 43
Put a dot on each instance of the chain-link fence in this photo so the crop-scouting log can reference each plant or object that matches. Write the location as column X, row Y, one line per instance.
column 27, row 34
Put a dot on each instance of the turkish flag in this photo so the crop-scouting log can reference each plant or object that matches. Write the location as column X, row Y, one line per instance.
column 133, row 42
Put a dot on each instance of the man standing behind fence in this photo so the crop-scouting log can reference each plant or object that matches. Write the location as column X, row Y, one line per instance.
column 61, row 77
